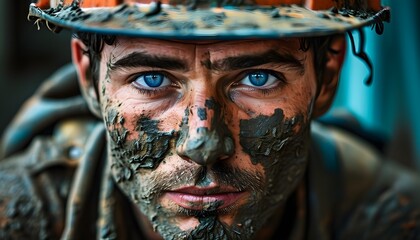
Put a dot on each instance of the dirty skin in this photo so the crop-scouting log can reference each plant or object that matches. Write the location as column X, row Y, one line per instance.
column 206, row 145
column 277, row 143
column 147, row 151
column 221, row 173
column 211, row 228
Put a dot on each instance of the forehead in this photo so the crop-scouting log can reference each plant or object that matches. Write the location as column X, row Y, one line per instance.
column 202, row 49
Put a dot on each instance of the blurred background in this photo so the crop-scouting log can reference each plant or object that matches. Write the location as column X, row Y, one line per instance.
column 390, row 107
column 27, row 56
column 388, row 110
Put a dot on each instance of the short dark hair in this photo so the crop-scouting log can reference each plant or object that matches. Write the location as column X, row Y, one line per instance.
column 95, row 43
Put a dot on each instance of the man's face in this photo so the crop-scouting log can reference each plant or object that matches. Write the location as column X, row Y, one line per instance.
column 207, row 139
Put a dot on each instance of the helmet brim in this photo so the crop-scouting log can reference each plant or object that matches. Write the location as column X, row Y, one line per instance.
column 168, row 22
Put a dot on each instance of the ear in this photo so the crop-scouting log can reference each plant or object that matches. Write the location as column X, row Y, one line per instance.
column 87, row 86
column 331, row 74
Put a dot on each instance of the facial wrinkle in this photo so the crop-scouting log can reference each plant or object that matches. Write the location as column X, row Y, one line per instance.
column 205, row 61
column 203, row 64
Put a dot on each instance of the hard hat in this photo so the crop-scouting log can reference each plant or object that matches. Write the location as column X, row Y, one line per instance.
column 210, row 19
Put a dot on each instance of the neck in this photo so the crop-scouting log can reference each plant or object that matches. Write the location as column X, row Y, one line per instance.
column 289, row 220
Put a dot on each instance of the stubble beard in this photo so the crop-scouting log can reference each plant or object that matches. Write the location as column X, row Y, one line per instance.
column 246, row 218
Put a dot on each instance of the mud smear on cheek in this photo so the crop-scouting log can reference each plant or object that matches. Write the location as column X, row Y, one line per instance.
column 274, row 140
column 261, row 136
column 147, row 151
column 280, row 146
column 133, row 160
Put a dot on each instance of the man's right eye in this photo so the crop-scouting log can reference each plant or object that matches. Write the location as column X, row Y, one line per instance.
column 151, row 80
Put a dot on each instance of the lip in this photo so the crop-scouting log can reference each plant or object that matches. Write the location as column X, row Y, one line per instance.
column 195, row 198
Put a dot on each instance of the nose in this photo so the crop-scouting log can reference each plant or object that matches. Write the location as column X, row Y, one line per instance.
column 205, row 138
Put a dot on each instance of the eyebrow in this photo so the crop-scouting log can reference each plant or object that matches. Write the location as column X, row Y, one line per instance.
column 142, row 59
column 247, row 61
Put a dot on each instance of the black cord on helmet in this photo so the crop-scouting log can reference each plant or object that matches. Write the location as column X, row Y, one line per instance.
column 362, row 54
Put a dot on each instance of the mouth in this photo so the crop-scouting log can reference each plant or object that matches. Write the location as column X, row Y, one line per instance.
column 205, row 199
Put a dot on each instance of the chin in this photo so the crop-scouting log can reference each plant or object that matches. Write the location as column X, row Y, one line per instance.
column 239, row 220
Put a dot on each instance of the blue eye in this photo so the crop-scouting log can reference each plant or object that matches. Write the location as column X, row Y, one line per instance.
column 259, row 79
column 152, row 80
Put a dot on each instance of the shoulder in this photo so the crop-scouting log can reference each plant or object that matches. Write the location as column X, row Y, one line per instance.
column 35, row 182
column 40, row 152
column 24, row 198
column 391, row 207
column 352, row 162
column 376, row 196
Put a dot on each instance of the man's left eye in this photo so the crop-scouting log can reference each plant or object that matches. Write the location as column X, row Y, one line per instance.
column 258, row 79
column 151, row 80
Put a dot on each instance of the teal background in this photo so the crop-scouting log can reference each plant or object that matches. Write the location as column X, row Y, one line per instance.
column 391, row 105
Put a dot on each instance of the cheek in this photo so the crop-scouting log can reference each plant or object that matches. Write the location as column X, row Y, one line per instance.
column 300, row 100
column 135, row 142
column 280, row 145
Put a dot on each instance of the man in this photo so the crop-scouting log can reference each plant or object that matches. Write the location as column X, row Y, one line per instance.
column 201, row 129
